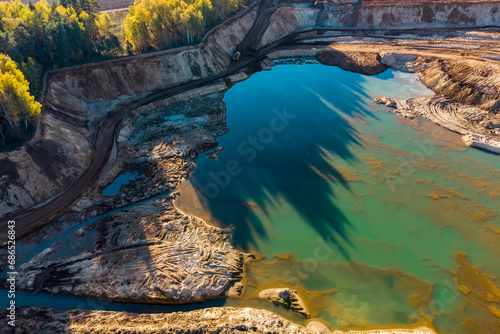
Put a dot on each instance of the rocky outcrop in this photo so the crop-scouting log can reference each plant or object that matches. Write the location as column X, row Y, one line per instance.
column 482, row 142
column 359, row 62
column 403, row 62
column 468, row 81
column 468, row 121
column 286, row 298
column 410, row 15
column 380, row 15
column 211, row 320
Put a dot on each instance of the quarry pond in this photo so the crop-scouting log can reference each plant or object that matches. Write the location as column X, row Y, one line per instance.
column 375, row 219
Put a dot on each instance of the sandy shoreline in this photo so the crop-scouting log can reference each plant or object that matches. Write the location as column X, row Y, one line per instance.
column 211, row 320
column 419, row 330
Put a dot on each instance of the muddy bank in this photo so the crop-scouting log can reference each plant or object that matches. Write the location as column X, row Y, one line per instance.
column 212, row 320
column 286, row 298
column 152, row 253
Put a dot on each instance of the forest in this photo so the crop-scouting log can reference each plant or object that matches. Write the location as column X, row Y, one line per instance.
column 18, row 108
column 157, row 24
column 36, row 38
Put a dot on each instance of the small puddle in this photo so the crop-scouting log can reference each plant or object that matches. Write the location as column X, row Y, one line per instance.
column 124, row 178
column 174, row 117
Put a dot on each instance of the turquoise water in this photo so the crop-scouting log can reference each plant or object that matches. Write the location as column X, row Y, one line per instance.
column 124, row 178
column 363, row 209
column 174, row 117
column 72, row 303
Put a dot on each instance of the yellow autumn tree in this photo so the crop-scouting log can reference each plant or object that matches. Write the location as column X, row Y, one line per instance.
column 104, row 23
column 136, row 27
column 158, row 24
column 18, row 109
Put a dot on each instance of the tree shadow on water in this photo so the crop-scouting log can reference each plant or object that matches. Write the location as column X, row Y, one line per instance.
column 296, row 163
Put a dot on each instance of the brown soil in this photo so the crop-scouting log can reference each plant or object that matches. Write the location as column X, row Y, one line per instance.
column 468, row 81
column 360, row 62
column 212, row 320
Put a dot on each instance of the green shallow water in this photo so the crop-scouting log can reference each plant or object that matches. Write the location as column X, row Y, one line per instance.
column 364, row 210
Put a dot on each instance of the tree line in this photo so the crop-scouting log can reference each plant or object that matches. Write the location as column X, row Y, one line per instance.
column 158, row 24
column 18, row 108
column 36, row 38
column 42, row 37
